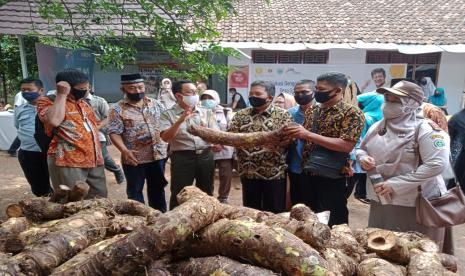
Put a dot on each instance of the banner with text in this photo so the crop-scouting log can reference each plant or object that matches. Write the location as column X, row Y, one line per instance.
column 285, row 76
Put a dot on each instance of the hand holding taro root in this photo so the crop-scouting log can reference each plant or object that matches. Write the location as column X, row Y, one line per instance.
column 244, row 140
column 296, row 131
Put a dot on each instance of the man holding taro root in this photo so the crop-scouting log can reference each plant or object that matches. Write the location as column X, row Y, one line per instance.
column 191, row 156
column 262, row 168
column 331, row 130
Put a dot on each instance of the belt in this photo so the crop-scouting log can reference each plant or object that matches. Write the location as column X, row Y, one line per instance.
column 197, row 152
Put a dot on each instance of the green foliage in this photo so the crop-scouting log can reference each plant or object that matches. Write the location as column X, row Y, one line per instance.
column 111, row 29
column 10, row 63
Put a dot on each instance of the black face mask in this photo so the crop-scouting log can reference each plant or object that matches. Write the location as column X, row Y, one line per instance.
column 257, row 102
column 78, row 93
column 323, row 96
column 135, row 97
column 304, row 99
column 423, row 82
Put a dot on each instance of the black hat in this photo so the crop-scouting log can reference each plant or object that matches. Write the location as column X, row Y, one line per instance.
column 131, row 78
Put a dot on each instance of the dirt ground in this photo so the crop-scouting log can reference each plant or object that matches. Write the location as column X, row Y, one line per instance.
column 14, row 187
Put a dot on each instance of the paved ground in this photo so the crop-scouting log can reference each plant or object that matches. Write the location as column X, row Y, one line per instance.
column 13, row 187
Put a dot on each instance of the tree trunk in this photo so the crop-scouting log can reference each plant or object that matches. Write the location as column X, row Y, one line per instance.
column 339, row 262
column 238, row 140
column 380, row 267
column 12, row 227
column 361, row 235
column 388, row 246
column 259, row 244
column 217, row 265
column 425, row 263
column 53, row 249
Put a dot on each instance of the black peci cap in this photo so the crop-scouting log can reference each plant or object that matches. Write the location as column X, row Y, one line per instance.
column 131, row 78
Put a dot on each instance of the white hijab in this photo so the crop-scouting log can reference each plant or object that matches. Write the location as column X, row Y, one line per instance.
column 394, row 135
column 428, row 88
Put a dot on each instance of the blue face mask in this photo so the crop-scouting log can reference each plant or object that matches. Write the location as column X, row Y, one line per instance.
column 209, row 103
column 30, row 96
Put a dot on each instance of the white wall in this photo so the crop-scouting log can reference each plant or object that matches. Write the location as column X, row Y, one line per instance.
column 347, row 56
column 451, row 71
column 452, row 78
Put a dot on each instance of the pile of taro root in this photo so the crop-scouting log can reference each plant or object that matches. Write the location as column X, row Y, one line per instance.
column 201, row 236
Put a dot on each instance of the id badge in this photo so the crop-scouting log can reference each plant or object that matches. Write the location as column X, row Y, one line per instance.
column 87, row 126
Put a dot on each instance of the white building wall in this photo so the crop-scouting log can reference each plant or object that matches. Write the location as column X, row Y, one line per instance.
column 451, row 71
column 452, row 78
column 347, row 56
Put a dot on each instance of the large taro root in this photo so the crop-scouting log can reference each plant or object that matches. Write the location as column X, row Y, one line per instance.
column 80, row 264
column 379, row 267
column 148, row 243
column 339, row 262
column 343, row 239
column 48, row 252
column 310, row 231
column 259, row 244
column 217, row 265
column 40, row 209
column 425, row 263
column 388, row 246
column 11, row 228
column 238, row 140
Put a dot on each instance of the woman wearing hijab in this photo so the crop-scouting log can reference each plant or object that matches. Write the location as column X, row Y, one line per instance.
column 428, row 87
column 223, row 154
column 371, row 104
column 457, row 137
column 439, row 99
column 284, row 101
column 166, row 95
column 389, row 149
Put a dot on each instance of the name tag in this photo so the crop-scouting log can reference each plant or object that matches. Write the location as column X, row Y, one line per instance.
column 87, row 126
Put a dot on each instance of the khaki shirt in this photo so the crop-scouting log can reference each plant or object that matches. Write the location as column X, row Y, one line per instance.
column 183, row 139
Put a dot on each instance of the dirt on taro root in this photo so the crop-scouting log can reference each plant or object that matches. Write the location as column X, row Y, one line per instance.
column 14, row 187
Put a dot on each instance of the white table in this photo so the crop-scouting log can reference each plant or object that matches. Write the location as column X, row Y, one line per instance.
column 7, row 129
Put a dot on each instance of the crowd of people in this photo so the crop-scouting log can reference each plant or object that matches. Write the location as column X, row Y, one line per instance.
column 336, row 138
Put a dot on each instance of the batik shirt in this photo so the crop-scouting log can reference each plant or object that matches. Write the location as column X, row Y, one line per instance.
column 341, row 120
column 267, row 163
column 75, row 142
column 139, row 128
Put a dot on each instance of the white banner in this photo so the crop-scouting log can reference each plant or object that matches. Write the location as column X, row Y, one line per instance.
column 285, row 76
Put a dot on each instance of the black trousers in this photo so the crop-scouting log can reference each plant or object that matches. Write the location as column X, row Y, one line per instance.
column 14, row 146
column 359, row 181
column 264, row 195
column 35, row 168
column 187, row 166
column 154, row 173
column 326, row 194
column 296, row 187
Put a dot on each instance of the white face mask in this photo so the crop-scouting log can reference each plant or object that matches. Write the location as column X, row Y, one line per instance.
column 191, row 100
column 393, row 110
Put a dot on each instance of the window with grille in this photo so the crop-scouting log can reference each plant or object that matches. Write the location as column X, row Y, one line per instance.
column 396, row 57
column 290, row 57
